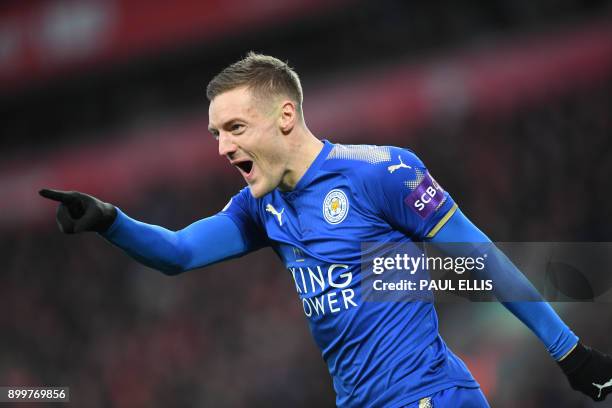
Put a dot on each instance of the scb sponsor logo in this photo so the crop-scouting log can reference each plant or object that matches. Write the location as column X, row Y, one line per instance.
column 426, row 197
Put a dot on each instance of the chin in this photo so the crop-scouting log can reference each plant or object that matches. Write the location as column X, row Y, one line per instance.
column 259, row 191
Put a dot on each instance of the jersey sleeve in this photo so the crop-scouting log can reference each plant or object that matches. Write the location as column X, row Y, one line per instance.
column 408, row 197
column 511, row 287
column 173, row 252
column 242, row 210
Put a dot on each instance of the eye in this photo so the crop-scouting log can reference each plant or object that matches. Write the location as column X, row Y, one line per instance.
column 237, row 128
column 215, row 134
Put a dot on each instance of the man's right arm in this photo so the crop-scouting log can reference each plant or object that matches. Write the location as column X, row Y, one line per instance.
column 225, row 235
column 202, row 243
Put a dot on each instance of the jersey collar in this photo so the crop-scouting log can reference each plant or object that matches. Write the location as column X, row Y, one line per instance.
column 313, row 169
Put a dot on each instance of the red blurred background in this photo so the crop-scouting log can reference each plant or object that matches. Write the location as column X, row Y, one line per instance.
column 508, row 103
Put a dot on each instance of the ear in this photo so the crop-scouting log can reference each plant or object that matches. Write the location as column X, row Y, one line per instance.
column 288, row 116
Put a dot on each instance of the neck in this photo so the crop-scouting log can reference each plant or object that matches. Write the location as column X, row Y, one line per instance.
column 304, row 150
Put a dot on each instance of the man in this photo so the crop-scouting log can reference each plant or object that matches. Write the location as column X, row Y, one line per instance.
column 315, row 203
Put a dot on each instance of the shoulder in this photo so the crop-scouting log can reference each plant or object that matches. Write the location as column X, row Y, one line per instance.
column 242, row 198
column 358, row 155
column 371, row 162
column 242, row 203
column 243, row 208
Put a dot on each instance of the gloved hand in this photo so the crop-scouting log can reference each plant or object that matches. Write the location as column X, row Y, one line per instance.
column 80, row 212
column 588, row 371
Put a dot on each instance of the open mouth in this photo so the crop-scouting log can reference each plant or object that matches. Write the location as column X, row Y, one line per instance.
column 246, row 166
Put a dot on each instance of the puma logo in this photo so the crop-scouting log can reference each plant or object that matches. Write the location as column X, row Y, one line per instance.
column 602, row 386
column 278, row 215
column 401, row 165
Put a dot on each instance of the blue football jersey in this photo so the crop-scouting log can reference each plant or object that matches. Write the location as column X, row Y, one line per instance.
column 379, row 354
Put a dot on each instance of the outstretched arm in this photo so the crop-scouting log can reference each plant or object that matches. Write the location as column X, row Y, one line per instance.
column 202, row 243
column 588, row 370
column 510, row 283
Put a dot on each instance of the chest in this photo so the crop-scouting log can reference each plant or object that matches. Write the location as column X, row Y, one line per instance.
column 328, row 222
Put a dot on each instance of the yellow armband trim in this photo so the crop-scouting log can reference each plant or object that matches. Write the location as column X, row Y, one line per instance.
column 568, row 353
column 443, row 221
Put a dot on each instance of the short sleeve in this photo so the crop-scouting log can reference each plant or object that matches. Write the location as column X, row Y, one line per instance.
column 242, row 209
column 409, row 198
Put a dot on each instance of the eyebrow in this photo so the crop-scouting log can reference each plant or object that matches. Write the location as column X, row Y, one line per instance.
column 224, row 125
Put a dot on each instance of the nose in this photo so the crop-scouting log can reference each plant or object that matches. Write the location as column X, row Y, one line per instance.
column 226, row 145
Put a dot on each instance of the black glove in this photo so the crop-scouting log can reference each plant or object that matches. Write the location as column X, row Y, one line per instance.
column 80, row 212
column 588, row 371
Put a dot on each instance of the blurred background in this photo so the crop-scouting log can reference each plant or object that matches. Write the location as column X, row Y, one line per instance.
column 508, row 103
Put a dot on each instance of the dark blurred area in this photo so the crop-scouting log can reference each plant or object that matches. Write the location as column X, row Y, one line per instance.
column 507, row 102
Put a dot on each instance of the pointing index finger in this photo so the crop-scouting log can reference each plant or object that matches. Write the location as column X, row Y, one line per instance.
column 56, row 195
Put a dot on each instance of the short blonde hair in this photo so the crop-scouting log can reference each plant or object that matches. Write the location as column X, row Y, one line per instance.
column 264, row 75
